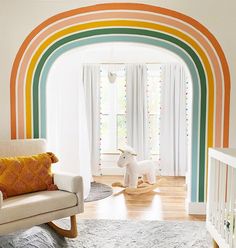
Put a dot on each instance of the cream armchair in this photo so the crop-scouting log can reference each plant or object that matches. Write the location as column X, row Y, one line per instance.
column 27, row 210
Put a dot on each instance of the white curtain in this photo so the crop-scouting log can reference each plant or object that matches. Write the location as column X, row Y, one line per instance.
column 137, row 113
column 173, row 130
column 67, row 133
column 91, row 81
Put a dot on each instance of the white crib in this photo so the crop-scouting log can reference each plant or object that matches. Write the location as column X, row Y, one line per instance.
column 221, row 208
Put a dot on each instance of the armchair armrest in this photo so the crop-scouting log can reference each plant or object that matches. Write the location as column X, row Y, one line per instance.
column 71, row 183
column 1, row 199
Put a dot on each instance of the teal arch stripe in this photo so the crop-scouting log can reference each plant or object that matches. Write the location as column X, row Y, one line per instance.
column 137, row 39
column 129, row 31
column 202, row 156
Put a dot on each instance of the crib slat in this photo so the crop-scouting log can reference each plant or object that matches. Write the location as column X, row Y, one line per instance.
column 211, row 188
column 232, row 206
column 234, row 229
column 215, row 180
column 217, row 212
column 227, row 211
column 222, row 199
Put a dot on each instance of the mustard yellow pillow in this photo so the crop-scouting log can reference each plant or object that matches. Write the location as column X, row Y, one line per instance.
column 21, row 175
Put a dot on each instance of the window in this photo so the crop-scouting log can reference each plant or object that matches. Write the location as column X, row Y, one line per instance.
column 154, row 77
column 113, row 110
column 113, row 107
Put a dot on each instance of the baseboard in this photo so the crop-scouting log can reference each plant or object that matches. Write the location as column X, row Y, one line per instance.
column 196, row 208
column 110, row 171
column 116, row 171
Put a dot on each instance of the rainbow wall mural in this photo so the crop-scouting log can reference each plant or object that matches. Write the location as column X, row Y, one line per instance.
column 129, row 22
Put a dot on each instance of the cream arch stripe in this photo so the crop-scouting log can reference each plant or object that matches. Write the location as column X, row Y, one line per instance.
column 138, row 39
column 120, row 23
column 131, row 15
column 133, row 7
column 142, row 32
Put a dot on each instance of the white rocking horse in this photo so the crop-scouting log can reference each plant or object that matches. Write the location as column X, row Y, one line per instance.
column 134, row 170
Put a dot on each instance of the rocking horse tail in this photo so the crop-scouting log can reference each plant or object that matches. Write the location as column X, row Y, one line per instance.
column 118, row 184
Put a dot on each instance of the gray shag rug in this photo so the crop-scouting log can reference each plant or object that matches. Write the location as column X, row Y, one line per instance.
column 114, row 234
column 98, row 191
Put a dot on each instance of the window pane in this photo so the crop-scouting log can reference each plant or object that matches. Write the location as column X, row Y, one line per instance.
column 121, row 92
column 154, row 94
column 105, row 96
column 104, row 133
column 154, row 134
column 113, row 103
column 108, row 135
column 121, row 131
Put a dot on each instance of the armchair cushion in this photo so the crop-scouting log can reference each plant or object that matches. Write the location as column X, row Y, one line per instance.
column 33, row 204
column 20, row 175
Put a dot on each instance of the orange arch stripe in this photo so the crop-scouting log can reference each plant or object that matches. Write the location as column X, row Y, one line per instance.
column 126, row 6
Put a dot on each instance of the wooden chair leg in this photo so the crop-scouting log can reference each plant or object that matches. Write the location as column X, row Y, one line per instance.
column 215, row 245
column 72, row 233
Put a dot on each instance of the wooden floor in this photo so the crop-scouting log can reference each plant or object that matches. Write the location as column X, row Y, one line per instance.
column 165, row 203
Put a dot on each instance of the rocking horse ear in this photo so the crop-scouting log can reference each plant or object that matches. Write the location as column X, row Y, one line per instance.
column 121, row 150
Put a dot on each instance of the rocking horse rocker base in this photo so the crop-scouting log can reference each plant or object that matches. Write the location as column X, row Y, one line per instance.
column 142, row 187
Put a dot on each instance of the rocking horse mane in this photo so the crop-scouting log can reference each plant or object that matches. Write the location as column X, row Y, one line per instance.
column 129, row 149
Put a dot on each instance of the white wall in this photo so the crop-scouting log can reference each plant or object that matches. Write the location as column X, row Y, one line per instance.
column 65, row 135
column 18, row 18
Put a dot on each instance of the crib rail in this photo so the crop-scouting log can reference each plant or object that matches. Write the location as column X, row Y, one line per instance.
column 221, row 211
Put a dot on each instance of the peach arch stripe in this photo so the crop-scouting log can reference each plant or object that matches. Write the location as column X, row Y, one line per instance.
column 120, row 23
column 125, row 6
column 113, row 15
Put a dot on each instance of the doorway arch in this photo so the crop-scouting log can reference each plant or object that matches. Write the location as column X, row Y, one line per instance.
column 136, row 23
